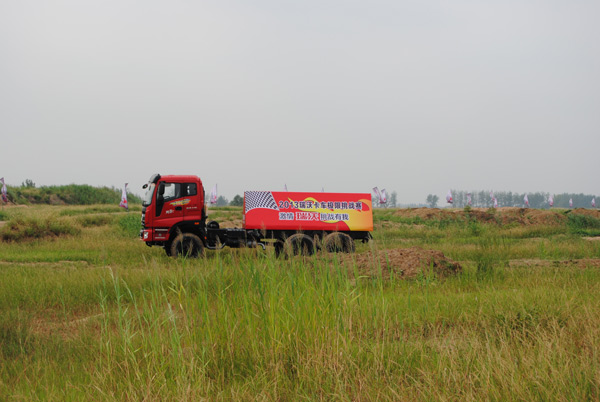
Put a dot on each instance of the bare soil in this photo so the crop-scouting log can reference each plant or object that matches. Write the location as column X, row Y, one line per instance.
column 405, row 263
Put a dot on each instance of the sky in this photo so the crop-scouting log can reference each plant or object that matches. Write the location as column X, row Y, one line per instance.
column 416, row 97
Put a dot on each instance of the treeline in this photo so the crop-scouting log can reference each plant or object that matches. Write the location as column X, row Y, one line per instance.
column 72, row 194
column 482, row 199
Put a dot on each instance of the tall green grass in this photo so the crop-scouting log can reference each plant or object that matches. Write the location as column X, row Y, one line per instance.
column 100, row 316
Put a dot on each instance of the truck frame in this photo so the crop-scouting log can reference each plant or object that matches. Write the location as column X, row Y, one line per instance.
column 174, row 217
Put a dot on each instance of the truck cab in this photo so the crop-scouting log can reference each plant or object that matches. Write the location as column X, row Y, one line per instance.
column 172, row 204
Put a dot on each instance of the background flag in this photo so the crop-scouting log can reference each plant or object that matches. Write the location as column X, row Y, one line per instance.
column 594, row 202
column 551, row 200
column 380, row 195
column 213, row 195
column 570, row 203
column 449, row 197
column 469, row 199
column 124, row 198
column 495, row 203
column 4, row 191
column 526, row 200
column 377, row 193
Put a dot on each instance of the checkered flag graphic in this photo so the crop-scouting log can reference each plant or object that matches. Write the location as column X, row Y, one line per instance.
column 260, row 199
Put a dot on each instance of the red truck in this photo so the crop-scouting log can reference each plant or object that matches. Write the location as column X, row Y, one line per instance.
column 174, row 217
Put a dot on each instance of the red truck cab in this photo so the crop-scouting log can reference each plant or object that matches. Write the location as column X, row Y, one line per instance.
column 171, row 202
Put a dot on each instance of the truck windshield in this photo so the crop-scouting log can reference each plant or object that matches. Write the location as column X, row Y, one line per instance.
column 148, row 196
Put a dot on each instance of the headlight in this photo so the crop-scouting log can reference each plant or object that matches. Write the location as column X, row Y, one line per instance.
column 146, row 235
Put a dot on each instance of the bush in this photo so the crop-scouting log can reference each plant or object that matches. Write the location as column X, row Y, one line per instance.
column 72, row 194
column 130, row 224
column 584, row 225
column 94, row 220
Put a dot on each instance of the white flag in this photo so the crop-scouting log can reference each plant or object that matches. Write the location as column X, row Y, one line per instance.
column 469, row 199
column 383, row 197
column 124, row 198
column 551, row 200
column 526, row 200
column 449, row 197
column 570, row 203
column 495, row 203
column 285, row 187
column 594, row 202
column 213, row 195
column 4, row 191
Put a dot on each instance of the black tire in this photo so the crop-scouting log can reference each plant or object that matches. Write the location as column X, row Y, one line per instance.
column 337, row 242
column 299, row 244
column 187, row 245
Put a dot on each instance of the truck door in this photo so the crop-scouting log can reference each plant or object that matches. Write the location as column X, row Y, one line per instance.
column 193, row 199
column 169, row 208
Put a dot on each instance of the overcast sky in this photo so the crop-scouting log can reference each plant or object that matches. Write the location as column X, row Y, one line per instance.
column 413, row 96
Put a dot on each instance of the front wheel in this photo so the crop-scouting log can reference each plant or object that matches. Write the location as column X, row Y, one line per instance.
column 187, row 245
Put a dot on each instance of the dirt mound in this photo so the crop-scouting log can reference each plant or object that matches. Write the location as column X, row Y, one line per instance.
column 503, row 216
column 423, row 213
column 406, row 263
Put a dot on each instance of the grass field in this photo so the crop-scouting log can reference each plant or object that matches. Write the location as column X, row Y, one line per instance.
column 88, row 312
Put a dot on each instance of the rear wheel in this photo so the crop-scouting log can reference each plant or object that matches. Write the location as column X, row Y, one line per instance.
column 337, row 242
column 187, row 245
column 299, row 244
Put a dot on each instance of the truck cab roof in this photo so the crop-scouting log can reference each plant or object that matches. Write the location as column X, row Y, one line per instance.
column 181, row 179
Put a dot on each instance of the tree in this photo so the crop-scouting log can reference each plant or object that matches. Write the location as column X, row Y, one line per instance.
column 393, row 199
column 222, row 201
column 28, row 183
column 237, row 201
column 432, row 200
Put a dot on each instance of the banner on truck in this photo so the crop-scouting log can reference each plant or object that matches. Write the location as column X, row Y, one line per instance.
column 307, row 211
